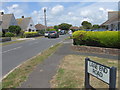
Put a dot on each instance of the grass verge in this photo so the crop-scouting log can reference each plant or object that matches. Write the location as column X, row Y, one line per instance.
column 11, row 42
column 71, row 72
column 21, row 73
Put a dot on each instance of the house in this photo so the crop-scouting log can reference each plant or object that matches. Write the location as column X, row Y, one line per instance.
column 50, row 27
column 6, row 21
column 74, row 28
column 26, row 24
column 113, row 21
column 39, row 27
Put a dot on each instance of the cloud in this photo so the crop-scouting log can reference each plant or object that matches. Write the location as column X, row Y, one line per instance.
column 57, row 9
column 15, row 8
column 57, row 13
column 2, row 10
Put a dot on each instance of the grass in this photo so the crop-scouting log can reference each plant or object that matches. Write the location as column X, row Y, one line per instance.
column 11, row 42
column 71, row 72
column 21, row 73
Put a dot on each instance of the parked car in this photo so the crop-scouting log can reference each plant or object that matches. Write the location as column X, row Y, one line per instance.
column 53, row 34
column 62, row 32
column 46, row 33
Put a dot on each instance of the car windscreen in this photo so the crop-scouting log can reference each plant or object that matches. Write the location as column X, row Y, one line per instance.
column 52, row 32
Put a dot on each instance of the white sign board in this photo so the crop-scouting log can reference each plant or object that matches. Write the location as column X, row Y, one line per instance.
column 99, row 71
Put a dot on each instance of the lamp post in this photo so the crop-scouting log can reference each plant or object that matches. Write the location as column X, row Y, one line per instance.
column 45, row 19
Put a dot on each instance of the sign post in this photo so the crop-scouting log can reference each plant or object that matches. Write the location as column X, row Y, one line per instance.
column 100, row 71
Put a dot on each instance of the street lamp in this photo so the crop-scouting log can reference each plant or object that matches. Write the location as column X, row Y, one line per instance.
column 45, row 18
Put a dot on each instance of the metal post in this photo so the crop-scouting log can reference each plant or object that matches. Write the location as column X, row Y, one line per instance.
column 87, row 76
column 112, row 84
column 45, row 19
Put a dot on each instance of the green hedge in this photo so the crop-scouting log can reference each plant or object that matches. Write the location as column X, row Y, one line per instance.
column 9, row 34
column 31, row 34
column 108, row 39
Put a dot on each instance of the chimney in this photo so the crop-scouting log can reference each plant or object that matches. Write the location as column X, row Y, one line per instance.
column 22, row 16
column 1, row 13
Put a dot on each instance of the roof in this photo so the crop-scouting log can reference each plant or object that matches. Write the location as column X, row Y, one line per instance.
column 6, row 18
column 23, row 22
column 112, row 19
column 74, row 27
column 39, row 26
column 50, row 27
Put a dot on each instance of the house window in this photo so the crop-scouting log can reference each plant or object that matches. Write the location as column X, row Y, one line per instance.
column 30, row 24
column 33, row 30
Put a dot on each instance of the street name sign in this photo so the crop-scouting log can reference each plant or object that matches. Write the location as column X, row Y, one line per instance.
column 100, row 71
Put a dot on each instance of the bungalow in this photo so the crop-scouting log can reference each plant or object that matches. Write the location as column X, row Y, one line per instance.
column 113, row 21
column 26, row 24
column 6, row 21
column 39, row 27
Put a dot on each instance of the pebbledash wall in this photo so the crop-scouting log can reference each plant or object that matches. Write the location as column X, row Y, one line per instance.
column 96, row 50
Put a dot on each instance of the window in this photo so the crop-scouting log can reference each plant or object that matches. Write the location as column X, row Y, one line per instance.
column 30, row 24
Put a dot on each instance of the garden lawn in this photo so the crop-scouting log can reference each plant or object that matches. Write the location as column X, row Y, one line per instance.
column 71, row 72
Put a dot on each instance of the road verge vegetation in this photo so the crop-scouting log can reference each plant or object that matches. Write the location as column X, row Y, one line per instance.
column 20, row 74
column 71, row 72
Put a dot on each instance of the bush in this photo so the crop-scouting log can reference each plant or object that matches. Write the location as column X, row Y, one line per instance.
column 9, row 34
column 0, row 34
column 41, row 32
column 108, row 39
column 31, row 34
column 52, row 30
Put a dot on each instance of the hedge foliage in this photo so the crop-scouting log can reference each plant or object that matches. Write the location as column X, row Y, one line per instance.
column 31, row 34
column 109, row 39
column 9, row 34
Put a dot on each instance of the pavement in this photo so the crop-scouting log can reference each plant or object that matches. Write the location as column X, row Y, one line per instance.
column 43, row 73
column 15, row 54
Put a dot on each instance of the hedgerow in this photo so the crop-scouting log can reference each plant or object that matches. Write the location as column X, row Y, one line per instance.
column 108, row 39
column 31, row 34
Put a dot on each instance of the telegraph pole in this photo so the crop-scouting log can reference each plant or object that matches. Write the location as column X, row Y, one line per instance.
column 45, row 19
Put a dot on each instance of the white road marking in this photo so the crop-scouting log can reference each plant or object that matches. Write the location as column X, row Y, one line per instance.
column 11, row 49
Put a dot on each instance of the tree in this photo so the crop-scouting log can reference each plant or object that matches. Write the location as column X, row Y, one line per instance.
column 64, row 26
column 14, row 29
column 86, row 25
column 56, row 27
column 95, row 26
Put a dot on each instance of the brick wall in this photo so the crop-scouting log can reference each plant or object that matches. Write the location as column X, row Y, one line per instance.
column 96, row 49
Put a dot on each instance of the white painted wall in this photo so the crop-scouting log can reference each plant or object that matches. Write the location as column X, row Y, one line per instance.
column 31, row 27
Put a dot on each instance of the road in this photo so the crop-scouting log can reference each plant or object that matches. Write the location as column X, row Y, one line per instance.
column 15, row 54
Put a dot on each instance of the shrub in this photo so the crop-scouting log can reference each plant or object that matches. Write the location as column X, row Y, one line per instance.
column 108, row 39
column 41, row 32
column 31, row 34
column 14, row 29
column 9, row 34
column 0, row 34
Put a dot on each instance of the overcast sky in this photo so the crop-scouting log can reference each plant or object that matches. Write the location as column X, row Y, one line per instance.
column 61, row 12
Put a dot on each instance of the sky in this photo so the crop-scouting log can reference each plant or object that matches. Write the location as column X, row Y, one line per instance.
column 61, row 12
